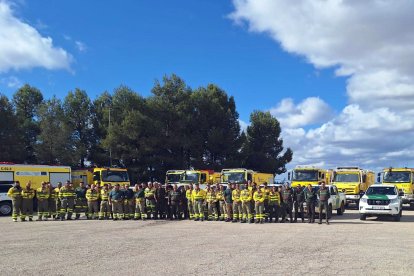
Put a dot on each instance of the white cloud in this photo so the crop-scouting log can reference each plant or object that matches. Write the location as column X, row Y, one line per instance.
column 12, row 82
column 23, row 47
column 371, row 43
column 310, row 111
column 81, row 46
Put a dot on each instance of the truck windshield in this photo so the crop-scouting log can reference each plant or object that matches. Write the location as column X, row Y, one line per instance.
column 191, row 177
column 381, row 191
column 346, row 177
column 305, row 175
column 115, row 176
column 234, row 177
column 394, row 177
column 173, row 178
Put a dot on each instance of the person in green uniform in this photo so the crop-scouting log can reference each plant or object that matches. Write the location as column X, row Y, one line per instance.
column 174, row 201
column 81, row 204
column 324, row 196
column 228, row 199
column 116, row 197
column 310, row 198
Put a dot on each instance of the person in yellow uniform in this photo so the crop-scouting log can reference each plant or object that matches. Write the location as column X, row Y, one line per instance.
column 212, row 204
column 246, row 197
column 274, row 204
column 27, row 202
column 237, row 210
column 104, row 209
column 42, row 195
column 221, row 202
column 266, row 191
column 259, row 198
column 190, row 201
column 52, row 201
column 58, row 203
column 199, row 197
column 92, row 196
column 67, row 200
column 15, row 193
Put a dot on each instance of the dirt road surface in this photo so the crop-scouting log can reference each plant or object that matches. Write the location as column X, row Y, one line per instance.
column 346, row 247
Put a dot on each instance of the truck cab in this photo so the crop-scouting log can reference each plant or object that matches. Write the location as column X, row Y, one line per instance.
column 304, row 175
column 242, row 176
column 112, row 176
column 173, row 177
column 403, row 179
column 353, row 181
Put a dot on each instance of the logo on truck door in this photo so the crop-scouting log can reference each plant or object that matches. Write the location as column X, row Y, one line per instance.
column 5, row 169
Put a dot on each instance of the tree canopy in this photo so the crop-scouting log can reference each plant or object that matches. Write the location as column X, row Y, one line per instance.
column 176, row 127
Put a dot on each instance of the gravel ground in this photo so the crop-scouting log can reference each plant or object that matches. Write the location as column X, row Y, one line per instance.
column 346, row 247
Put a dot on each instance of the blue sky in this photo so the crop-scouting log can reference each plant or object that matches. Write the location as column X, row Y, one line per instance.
column 140, row 41
column 338, row 75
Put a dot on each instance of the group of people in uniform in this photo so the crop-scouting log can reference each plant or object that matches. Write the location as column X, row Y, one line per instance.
column 254, row 203
column 242, row 203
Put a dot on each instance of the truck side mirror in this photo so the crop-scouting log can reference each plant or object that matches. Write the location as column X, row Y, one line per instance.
column 378, row 174
column 378, row 179
column 288, row 175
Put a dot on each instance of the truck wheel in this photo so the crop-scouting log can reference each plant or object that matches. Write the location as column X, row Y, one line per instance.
column 341, row 210
column 5, row 208
column 329, row 214
column 362, row 217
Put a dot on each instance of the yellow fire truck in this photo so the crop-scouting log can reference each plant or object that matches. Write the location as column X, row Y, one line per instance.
column 304, row 175
column 403, row 178
column 354, row 181
column 36, row 174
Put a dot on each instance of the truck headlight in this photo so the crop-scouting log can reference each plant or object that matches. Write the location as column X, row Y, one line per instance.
column 363, row 200
column 395, row 200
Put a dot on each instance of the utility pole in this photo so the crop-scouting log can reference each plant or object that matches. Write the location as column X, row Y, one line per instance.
column 109, row 130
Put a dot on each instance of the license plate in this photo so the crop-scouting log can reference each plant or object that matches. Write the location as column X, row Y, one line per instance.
column 378, row 207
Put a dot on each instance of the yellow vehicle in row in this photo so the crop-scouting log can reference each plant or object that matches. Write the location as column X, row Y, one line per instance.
column 304, row 175
column 354, row 181
column 36, row 174
column 241, row 176
column 403, row 179
column 101, row 176
column 192, row 176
